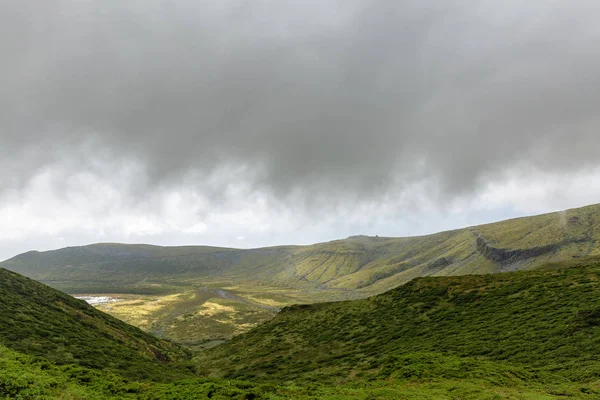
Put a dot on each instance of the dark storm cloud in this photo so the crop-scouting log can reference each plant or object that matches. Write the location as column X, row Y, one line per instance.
column 348, row 96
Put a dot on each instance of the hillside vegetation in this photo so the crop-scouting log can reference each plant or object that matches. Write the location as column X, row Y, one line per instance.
column 362, row 263
column 43, row 322
column 541, row 327
column 522, row 335
column 24, row 377
column 194, row 294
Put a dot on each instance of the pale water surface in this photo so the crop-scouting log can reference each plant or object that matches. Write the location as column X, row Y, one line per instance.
column 96, row 300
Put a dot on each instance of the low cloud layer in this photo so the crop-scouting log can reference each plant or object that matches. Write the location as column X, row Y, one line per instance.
column 296, row 112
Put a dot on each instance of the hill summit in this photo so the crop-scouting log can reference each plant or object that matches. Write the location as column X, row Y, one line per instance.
column 359, row 264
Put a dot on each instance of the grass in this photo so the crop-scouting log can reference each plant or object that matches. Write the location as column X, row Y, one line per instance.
column 362, row 265
column 43, row 322
column 25, row 377
column 198, row 314
column 162, row 283
column 539, row 327
column 520, row 335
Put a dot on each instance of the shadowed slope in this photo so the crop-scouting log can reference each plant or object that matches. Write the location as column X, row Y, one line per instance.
column 41, row 321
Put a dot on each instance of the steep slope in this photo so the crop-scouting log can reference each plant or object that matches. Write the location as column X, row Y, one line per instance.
column 367, row 348
column 361, row 264
column 541, row 325
column 373, row 264
column 43, row 322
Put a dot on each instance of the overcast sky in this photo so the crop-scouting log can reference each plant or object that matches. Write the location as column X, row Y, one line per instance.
column 251, row 123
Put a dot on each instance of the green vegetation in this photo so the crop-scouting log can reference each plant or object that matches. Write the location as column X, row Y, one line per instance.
column 529, row 334
column 43, row 322
column 361, row 264
column 24, row 377
column 353, row 268
column 193, row 316
column 540, row 328
column 519, row 335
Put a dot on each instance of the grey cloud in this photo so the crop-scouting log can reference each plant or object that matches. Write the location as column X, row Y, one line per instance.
column 340, row 97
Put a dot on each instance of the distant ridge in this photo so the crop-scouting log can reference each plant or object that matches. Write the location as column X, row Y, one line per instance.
column 361, row 264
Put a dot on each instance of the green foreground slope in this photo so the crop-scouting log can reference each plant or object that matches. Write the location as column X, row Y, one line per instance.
column 43, row 322
column 524, row 335
column 537, row 326
column 24, row 377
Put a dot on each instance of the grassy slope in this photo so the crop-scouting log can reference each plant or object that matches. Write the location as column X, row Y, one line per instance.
column 540, row 326
column 374, row 265
column 364, row 265
column 526, row 335
column 117, row 264
column 44, row 322
column 24, row 377
column 167, row 280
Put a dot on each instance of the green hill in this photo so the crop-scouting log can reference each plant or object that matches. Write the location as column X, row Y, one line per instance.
column 361, row 264
column 116, row 264
column 518, row 335
column 53, row 346
column 537, row 327
column 43, row 322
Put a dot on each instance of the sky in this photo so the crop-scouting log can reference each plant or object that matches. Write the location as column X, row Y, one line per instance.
column 253, row 123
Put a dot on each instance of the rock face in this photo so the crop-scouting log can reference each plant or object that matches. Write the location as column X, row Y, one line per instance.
column 511, row 256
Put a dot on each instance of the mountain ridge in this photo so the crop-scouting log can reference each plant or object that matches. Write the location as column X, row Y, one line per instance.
column 516, row 335
column 218, row 293
column 368, row 264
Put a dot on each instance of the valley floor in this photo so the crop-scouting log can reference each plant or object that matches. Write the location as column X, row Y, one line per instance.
column 201, row 313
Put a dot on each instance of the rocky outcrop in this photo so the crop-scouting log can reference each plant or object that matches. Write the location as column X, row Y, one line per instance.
column 511, row 256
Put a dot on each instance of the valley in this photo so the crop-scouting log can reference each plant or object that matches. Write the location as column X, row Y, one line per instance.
column 195, row 315
column 198, row 294
column 512, row 335
column 363, row 317
column 198, row 316
column 299, row 200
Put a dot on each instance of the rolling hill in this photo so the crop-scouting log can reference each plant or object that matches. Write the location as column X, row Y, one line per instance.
column 362, row 264
column 515, row 335
column 53, row 346
column 195, row 294
column 539, row 328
